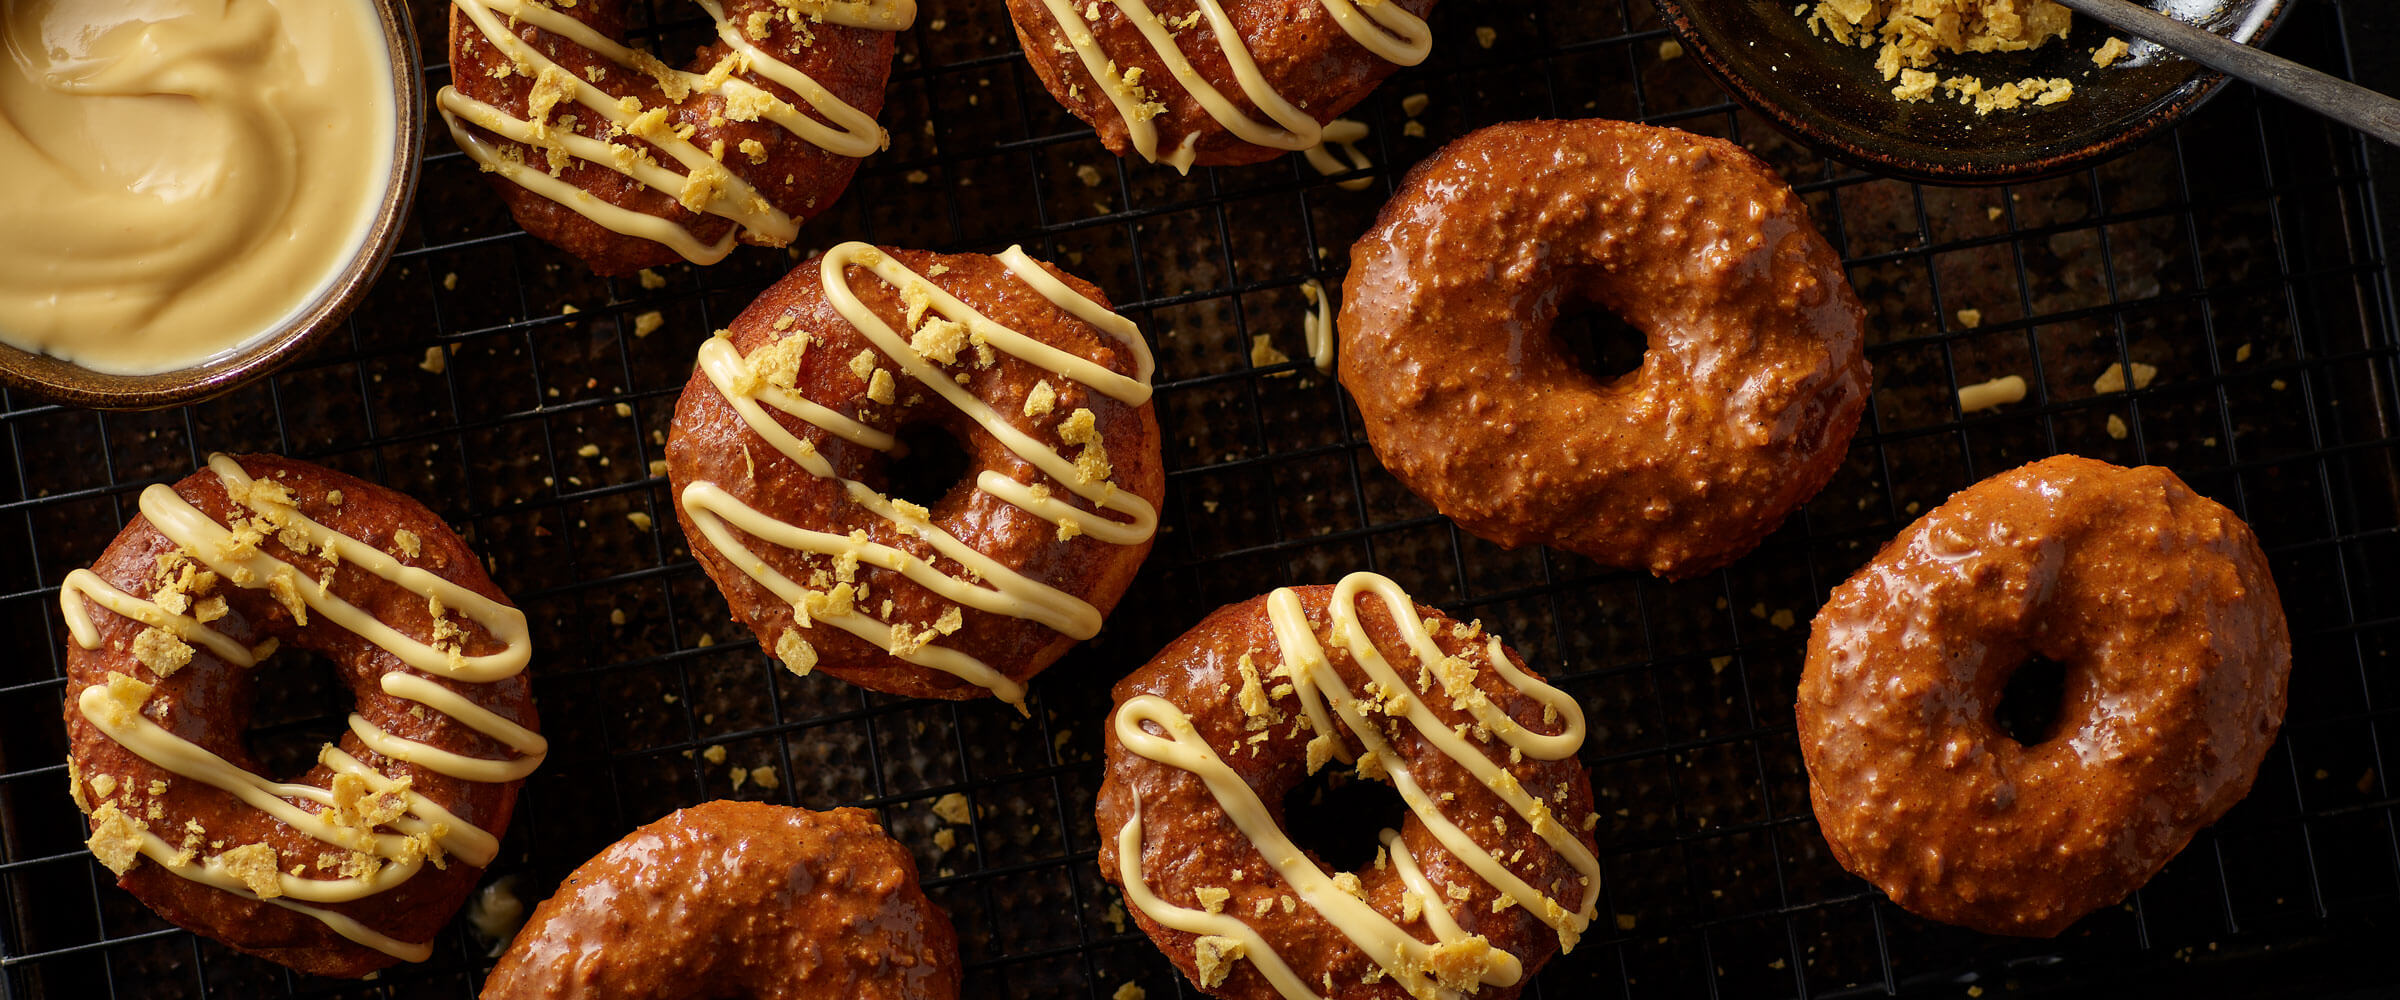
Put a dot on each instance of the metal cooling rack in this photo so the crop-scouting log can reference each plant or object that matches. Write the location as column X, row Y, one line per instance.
column 2241, row 256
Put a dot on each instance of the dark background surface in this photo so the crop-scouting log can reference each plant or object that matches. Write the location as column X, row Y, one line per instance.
column 2252, row 225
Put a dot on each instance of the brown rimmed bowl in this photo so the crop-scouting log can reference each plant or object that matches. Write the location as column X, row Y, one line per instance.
column 1830, row 95
column 67, row 382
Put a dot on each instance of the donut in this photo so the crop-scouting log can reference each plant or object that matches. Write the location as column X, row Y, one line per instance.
column 1492, row 872
column 359, row 861
column 1753, row 380
column 787, row 438
column 2158, row 605
column 747, row 898
column 608, row 153
column 1187, row 82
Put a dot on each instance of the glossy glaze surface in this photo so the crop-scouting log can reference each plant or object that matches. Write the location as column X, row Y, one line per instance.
column 1190, row 843
column 843, row 370
column 799, row 178
column 208, row 701
column 1301, row 54
column 738, row 899
column 1752, row 383
column 2159, row 604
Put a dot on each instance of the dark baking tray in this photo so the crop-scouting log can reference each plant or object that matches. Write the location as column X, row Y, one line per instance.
column 2242, row 255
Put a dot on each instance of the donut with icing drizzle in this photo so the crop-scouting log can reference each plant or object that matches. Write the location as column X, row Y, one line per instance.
column 738, row 899
column 608, row 152
column 1492, row 872
column 785, row 442
column 1218, row 82
column 358, row 861
column 2162, row 610
column 1754, row 377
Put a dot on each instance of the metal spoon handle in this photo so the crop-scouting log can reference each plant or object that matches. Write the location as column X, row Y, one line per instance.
column 2340, row 100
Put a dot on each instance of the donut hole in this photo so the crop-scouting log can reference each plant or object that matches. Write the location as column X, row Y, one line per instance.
column 1599, row 342
column 2032, row 701
column 1339, row 816
column 298, row 704
column 929, row 463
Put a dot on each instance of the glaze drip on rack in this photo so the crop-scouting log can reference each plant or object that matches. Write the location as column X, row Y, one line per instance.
column 1381, row 26
column 1411, row 963
column 1001, row 590
column 422, row 829
column 703, row 184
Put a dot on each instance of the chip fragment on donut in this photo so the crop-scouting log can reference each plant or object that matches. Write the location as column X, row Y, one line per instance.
column 786, row 441
column 1492, row 873
column 360, row 860
column 611, row 154
column 1753, row 381
column 738, row 899
column 2159, row 605
column 1216, row 82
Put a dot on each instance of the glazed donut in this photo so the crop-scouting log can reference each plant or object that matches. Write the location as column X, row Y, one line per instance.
column 738, row 899
column 783, row 443
column 1186, row 82
column 1753, row 381
column 1491, row 874
column 2159, row 605
column 610, row 154
column 360, row 860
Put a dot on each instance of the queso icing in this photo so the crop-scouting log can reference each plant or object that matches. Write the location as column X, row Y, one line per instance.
column 183, row 175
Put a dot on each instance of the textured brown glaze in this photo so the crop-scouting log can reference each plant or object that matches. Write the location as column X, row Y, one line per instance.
column 738, row 899
column 1300, row 51
column 1752, row 383
column 1189, row 843
column 709, row 441
column 797, row 176
column 209, row 702
column 2159, row 604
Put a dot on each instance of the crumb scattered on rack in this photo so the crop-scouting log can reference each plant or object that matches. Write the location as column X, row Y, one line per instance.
column 1986, row 395
column 2117, row 428
column 1970, row 318
column 2113, row 380
column 1485, row 36
column 953, row 808
column 436, row 360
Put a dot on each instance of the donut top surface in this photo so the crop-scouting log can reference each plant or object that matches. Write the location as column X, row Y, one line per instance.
column 1753, row 378
column 1496, row 860
column 218, row 572
column 182, row 176
column 1057, row 426
column 692, row 137
column 2160, row 606
column 1133, row 52
column 738, row 899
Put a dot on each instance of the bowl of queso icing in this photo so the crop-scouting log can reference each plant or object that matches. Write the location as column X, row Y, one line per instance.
column 195, row 189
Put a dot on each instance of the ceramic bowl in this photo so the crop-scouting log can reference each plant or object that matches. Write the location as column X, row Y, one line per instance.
column 67, row 382
column 1831, row 96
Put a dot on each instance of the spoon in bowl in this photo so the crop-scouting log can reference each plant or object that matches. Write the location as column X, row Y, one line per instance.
column 2338, row 99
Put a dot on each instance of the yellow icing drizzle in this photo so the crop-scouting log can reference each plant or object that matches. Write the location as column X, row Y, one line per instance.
column 1001, row 590
column 244, row 565
column 1324, row 696
column 1382, row 27
column 703, row 183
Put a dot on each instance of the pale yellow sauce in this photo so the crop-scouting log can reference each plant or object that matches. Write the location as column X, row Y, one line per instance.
column 183, row 175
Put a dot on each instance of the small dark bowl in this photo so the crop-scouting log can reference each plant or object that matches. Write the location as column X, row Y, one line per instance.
column 68, row 382
column 1830, row 95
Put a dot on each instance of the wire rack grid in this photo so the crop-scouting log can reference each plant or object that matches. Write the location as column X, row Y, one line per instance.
column 2240, row 257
